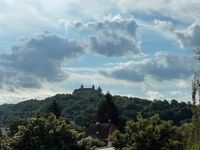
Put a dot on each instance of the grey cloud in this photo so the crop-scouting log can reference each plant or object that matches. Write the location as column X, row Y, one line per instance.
column 131, row 27
column 168, row 66
column 12, row 79
column 115, row 23
column 189, row 38
column 163, row 66
column 115, row 46
column 111, row 36
column 125, row 74
column 38, row 59
column 17, row 80
column 108, row 23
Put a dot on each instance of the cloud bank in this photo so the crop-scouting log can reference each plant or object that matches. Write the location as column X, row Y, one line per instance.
column 182, row 10
column 187, row 38
column 36, row 60
column 110, row 36
column 39, row 59
column 164, row 66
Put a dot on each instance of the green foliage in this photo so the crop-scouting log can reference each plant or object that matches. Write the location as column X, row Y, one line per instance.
column 82, row 109
column 177, row 112
column 90, row 143
column 149, row 134
column 193, row 142
column 5, row 143
column 14, row 126
column 107, row 110
column 141, row 132
column 46, row 133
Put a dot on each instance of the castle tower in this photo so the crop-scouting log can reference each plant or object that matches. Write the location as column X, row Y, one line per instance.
column 93, row 87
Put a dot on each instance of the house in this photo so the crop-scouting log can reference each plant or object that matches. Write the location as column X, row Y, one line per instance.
column 102, row 131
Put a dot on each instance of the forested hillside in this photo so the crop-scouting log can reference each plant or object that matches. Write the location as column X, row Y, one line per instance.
column 82, row 108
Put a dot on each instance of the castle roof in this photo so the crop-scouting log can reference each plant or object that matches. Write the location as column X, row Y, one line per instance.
column 83, row 90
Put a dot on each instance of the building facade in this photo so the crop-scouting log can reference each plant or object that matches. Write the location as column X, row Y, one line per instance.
column 83, row 90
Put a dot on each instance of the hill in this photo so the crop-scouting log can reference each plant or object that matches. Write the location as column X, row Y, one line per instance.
column 82, row 108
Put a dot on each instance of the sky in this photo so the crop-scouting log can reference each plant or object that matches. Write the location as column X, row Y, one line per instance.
column 134, row 48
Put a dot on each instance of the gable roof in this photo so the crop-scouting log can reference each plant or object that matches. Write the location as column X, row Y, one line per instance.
column 101, row 130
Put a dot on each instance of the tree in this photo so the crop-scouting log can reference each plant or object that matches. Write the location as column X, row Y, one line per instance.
column 90, row 143
column 149, row 134
column 43, row 133
column 5, row 143
column 193, row 142
column 107, row 110
column 54, row 108
column 14, row 126
column 196, row 77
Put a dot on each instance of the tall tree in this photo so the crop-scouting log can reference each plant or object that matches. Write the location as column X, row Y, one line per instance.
column 196, row 77
column 54, row 108
column 193, row 142
column 107, row 110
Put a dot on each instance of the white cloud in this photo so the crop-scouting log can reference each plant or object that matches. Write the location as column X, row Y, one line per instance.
column 165, row 26
column 183, row 83
column 178, row 9
column 40, row 15
column 153, row 95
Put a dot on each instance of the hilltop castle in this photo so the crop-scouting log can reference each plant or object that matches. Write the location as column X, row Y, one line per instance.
column 83, row 90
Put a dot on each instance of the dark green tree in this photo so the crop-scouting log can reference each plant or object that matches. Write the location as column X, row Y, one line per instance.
column 54, row 108
column 107, row 110
column 15, row 125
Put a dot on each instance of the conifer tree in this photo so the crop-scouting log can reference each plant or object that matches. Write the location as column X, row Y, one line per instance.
column 107, row 110
column 54, row 108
